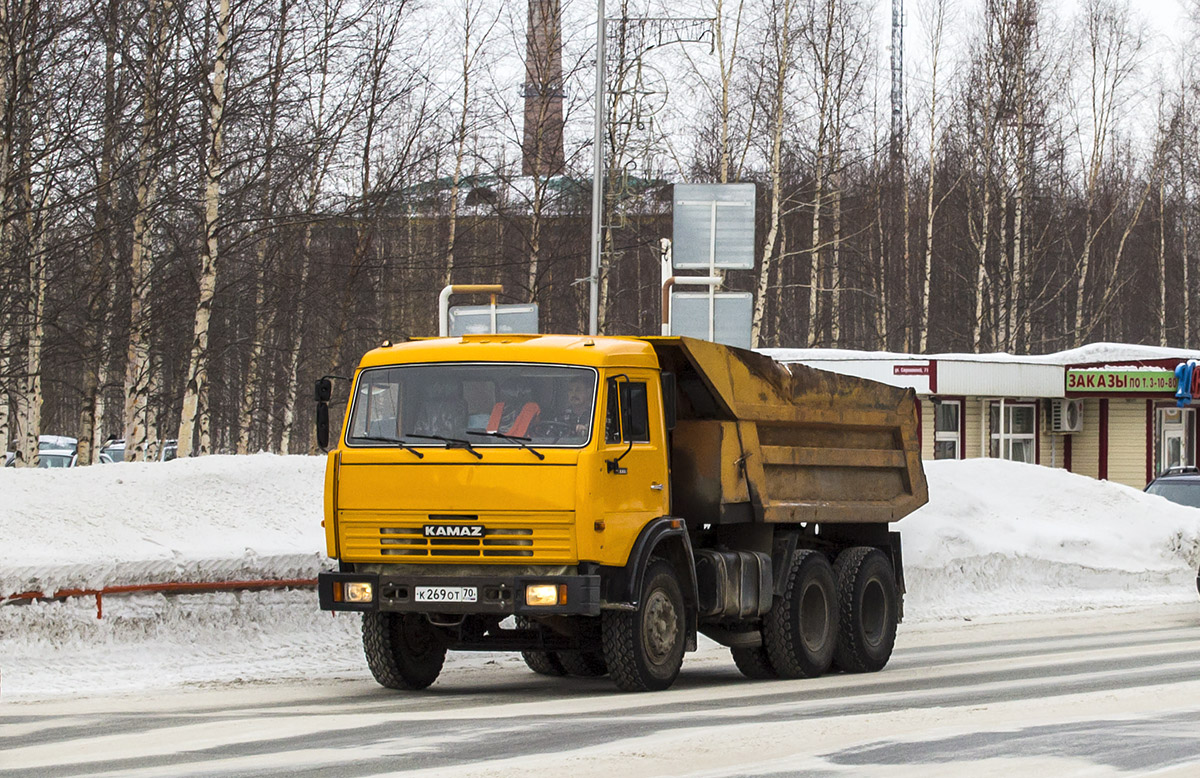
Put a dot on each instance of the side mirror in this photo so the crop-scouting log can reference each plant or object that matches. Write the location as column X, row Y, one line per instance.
column 668, row 394
column 323, row 390
column 323, row 424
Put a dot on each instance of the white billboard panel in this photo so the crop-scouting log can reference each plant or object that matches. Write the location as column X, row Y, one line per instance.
column 477, row 319
column 731, row 324
column 713, row 227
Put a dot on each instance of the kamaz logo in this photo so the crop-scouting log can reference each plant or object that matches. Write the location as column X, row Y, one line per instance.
column 453, row 531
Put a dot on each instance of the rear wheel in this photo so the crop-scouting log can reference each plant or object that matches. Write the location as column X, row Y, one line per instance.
column 544, row 663
column 754, row 663
column 800, row 630
column 585, row 664
column 644, row 648
column 869, row 607
column 403, row 650
column 541, row 662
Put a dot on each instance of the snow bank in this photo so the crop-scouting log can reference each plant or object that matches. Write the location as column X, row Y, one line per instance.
column 1004, row 538
column 997, row 538
column 206, row 519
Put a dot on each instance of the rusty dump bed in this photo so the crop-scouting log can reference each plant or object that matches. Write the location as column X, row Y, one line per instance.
column 760, row 441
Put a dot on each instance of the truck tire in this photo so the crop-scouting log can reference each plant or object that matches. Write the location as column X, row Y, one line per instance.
column 541, row 662
column 868, row 604
column 754, row 663
column 403, row 650
column 800, row 631
column 544, row 663
column 583, row 664
column 644, row 648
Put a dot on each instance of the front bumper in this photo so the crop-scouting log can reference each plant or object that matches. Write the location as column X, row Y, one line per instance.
column 497, row 595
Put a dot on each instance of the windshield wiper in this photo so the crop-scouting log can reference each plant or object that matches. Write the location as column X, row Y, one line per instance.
column 450, row 442
column 393, row 441
column 514, row 438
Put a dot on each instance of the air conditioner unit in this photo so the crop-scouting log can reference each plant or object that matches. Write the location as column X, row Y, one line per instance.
column 1066, row 416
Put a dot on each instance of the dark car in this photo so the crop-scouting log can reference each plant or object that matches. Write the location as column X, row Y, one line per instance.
column 1180, row 485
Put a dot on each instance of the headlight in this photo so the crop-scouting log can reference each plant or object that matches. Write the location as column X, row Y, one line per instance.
column 545, row 594
column 359, row 591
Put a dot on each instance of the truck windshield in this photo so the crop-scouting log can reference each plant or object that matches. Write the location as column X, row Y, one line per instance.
column 540, row 405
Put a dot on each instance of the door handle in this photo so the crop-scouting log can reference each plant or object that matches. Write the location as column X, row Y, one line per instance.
column 656, row 486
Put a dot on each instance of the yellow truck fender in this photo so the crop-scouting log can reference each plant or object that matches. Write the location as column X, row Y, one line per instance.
column 666, row 538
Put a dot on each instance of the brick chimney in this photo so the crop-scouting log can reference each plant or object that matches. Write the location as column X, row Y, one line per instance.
column 542, row 147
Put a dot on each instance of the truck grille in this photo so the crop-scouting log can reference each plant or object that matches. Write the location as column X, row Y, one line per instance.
column 397, row 537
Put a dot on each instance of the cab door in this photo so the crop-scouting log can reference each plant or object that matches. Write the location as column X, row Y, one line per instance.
column 631, row 488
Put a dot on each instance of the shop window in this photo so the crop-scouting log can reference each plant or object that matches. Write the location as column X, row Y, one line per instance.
column 1174, row 436
column 947, row 437
column 1015, row 435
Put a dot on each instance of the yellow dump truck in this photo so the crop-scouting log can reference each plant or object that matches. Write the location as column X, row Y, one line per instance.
column 597, row 502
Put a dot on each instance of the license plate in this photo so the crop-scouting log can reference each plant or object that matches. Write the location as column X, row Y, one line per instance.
column 447, row 594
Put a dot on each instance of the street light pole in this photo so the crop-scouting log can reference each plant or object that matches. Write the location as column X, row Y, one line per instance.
column 597, row 177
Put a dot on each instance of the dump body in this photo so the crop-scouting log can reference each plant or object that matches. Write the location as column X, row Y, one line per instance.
column 758, row 440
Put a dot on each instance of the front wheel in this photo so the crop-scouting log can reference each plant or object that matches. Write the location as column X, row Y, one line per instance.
column 644, row 648
column 403, row 650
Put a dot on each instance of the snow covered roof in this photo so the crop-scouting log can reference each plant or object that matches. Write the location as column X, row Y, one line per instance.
column 1092, row 353
column 996, row 374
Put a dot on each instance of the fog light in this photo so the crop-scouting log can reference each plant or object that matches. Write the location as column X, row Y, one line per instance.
column 541, row 594
column 359, row 591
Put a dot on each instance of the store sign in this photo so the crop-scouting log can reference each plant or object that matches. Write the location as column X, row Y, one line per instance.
column 1121, row 381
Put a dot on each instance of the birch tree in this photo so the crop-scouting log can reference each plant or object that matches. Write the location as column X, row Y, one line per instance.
column 1113, row 45
column 264, row 317
column 935, row 14
column 195, row 415
column 102, row 255
column 779, row 68
column 836, row 49
column 477, row 27
column 138, row 366
column 330, row 112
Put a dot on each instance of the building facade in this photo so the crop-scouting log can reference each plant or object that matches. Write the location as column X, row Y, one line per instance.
column 1108, row 411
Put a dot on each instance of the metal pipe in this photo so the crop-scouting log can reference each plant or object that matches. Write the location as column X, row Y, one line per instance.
column 200, row 587
column 597, row 177
column 710, row 281
column 444, row 301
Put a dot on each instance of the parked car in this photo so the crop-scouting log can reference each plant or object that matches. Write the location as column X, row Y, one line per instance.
column 114, row 449
column 101, row 459
column 56, row 457
column 51, row 450
column 1178, row 484
column 60, row 442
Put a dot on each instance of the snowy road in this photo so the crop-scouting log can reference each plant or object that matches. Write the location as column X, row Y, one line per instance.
column 1101, row 693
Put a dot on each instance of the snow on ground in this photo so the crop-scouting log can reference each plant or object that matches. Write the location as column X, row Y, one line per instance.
column 996, row 539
